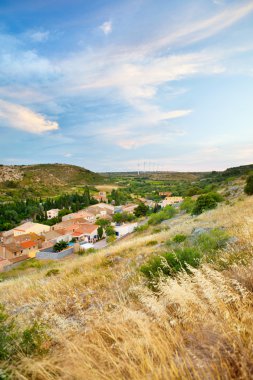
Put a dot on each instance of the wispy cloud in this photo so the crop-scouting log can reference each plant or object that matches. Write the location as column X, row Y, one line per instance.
column 39, row 36
column 106, row 27
column 19, row 117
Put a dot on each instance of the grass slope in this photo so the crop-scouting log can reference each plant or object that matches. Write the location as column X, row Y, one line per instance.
column 44, row 179
column 104, row 323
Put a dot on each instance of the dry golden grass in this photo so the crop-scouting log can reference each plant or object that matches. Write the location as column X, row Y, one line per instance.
column 105, row 323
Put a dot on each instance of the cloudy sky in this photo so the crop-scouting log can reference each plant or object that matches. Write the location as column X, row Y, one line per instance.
column 109, row 84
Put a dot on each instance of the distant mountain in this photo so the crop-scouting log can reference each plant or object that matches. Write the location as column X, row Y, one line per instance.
column 44, row 179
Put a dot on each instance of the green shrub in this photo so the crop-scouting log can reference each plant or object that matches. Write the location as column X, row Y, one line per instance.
column 111, row 238
column 141, row 210
column 141, row 228
column 8, row 335
column 167, row 213
column 60, row 246
column 203, row 203
column 151, row 243
column 170, row 263
column 179, row 238
column 212, row 241
column 248, row 189
column 13, row 340
column 52, row 272
column 32, row 339
column 187, row 205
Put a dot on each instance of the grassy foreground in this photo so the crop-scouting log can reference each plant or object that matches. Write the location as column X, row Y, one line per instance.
column 102, row 321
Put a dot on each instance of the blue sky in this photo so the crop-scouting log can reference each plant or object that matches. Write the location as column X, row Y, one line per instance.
column 109, row 84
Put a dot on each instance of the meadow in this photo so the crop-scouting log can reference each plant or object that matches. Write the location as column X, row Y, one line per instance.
column 102, row 320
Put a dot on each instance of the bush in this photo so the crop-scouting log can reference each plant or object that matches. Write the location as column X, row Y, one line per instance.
column 167, row 213
column 141, row 228
column 203, row 203
column 187, row 205
column 212, row 241
column 248, row 189
column 169, row 264
column 179, row 238
column 111, row 238
column 110, row 231
column 14, row 341
column 151, row 243
column 141, row 210
column 60, row 246
column 52, row 272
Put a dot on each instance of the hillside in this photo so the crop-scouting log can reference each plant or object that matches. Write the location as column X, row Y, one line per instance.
column 158, row 176
column 98, row 317
column 44, row 179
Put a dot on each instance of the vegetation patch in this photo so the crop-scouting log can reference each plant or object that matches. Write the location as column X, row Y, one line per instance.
column 167, row 213
column 14, row 341
column 52, row 272
column 179, row 238
column 152, row 243
column 169, row 264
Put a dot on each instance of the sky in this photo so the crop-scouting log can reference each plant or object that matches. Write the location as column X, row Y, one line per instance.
column 125, row 85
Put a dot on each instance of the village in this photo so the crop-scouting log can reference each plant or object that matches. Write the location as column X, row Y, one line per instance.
column 90, row 228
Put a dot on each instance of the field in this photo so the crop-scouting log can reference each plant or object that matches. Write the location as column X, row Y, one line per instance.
column 103, row 321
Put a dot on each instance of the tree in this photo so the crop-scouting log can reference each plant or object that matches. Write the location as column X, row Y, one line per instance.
column 203, row 203
column 141, row 210
column 110, row 231
column 248, row 189
column 103, row 222
column 100, row 232
column 187, row 205
column 60, row 246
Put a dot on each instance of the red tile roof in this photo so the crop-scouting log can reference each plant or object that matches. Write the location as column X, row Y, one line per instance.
column 28, row 244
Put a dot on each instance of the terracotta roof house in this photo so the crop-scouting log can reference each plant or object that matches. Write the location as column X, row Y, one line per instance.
column 80, row 214
column 12, row 250
column 52, row 237
column 28, row 227
column 129, row 208
column 165, row 193
column 69, row 222
column 82, row 232
column 101, row 197
column 101, row 209
column 169, row 201
column 88, row 233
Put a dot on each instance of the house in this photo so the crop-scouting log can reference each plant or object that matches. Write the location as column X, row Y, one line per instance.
column 125, row 229
column 101, row 210
column 85, row 232
column 101, row 197
column 6, row 237
column 170, row 201
column 129, row 208
column 52, row 213
column 70, row 222
column 165, row 193
column 12, row 250
column 52, row 237
column 29, row 237
column 80, row 214
column 28, row 227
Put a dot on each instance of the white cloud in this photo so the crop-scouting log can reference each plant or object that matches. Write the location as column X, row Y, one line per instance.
column 39, row 36
column 19, row 117
column 106, row 27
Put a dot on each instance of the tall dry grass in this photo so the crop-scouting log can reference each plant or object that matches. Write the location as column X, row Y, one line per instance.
column 104, row 323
